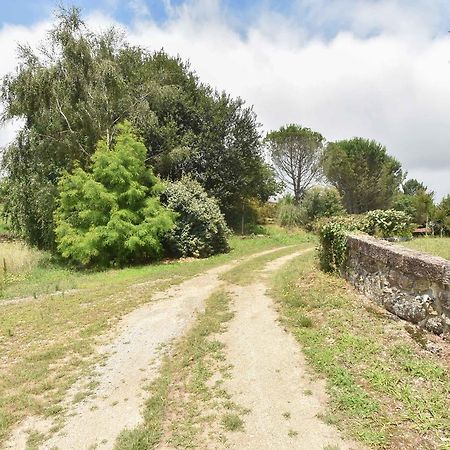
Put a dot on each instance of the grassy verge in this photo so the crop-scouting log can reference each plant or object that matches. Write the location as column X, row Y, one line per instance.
column 46, row 345
column 385, row 390
column 37, row 275
column 188, row 398
column 433, row 245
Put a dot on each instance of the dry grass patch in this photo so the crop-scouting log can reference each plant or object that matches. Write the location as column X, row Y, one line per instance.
column 17, row 261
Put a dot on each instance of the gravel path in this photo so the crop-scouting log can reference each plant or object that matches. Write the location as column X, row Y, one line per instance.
column 131, row 361
column 270, row 378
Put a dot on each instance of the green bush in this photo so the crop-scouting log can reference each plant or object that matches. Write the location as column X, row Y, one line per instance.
column 332, row 250
column 289, row 213
column 290, row 216
column 200, row 229
column 388, row 223
column 112, row 215
column 333, row 232
column 322, row 202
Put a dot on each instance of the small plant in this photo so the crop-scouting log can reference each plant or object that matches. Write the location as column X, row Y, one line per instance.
column 286, row 415
column 304, row 321
column 232, row 422
column 292, row 433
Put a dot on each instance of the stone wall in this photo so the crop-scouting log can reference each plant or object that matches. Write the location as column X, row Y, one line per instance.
column 413, row 285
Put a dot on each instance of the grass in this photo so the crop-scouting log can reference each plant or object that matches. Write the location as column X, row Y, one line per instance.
column 433, row 245
column 38, row 274
column 184, row 399
column 46, row 345
column 17, row 261
column 232, row 422
column 385, row 390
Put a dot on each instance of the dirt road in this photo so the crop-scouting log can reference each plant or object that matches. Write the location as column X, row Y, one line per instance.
column 271, row 379
column 130, row 361
column 269, row 375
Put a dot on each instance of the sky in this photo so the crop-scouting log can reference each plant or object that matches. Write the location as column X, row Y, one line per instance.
column 377, row 69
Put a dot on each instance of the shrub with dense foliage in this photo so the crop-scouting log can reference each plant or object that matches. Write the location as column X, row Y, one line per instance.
column 388, row 223
column 200, row 229
column 322, row 202
column 290, row 214
column 112, row 215
column 333, row 233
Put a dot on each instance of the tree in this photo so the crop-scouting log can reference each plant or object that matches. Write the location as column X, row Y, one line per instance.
column 79, row 85
column 296, row 154
column 442, row 216
column 416, row 201
column 322, row 202
column 112, row 215
column 363, row 173
column 413, row 187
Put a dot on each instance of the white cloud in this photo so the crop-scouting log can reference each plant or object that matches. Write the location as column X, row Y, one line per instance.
column 386, row 77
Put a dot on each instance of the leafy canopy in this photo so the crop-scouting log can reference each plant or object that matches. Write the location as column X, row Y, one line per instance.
column 416, row 201
column 74, row 90
column 363, row 173
column 112, row 214
column 322, row 202
column 296, row 153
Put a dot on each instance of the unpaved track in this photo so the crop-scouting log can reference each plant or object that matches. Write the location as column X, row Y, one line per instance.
column 270, row 378
column 132, row 360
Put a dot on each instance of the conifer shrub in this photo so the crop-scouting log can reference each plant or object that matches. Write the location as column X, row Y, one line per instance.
column 112, row 215
column 200, row 228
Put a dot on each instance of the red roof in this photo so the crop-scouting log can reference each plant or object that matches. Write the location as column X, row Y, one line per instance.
column 422, row 230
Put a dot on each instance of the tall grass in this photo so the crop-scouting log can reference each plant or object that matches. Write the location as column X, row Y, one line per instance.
column 17, row 260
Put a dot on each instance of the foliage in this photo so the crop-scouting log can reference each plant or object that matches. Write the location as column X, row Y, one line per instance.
column 296, row 153
column 200, row 229
column 79, row 85
column 362, row 171
column 290, row 214
column 388, row 223
column 416, row 201
column 442, row 216
column 322, row 202
column 333, row 233
column 332, row 249
column 112, row 215
column 413, row 186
